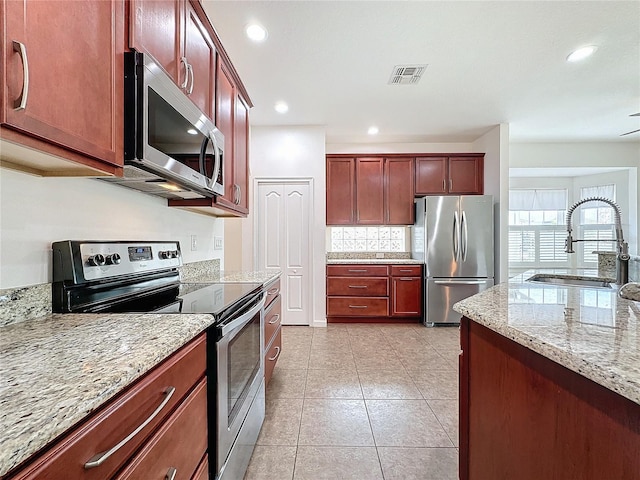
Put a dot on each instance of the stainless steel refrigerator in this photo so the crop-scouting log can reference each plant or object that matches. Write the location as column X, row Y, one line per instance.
column 453, row 236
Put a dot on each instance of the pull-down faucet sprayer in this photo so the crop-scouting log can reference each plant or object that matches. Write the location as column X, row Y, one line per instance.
column 622, row 253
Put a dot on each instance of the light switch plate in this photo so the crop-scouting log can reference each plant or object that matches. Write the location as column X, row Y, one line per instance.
column 217, row 243
column 194, row 243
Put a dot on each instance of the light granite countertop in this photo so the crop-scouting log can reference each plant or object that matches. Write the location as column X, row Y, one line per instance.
column 374, row 261
column 593, row 332
column 57, row 370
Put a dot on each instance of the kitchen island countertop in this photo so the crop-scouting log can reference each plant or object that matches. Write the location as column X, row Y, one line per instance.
column 593, row 332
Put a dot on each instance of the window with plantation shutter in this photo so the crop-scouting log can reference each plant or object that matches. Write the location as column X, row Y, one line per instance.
column 536, row 228
column 597, row 224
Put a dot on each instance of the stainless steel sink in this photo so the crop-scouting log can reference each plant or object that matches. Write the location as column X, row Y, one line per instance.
column 570, row 281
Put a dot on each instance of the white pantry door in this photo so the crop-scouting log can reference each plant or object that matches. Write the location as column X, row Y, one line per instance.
column 283, row 242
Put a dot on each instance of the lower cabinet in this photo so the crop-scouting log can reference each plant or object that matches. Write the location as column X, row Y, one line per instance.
column 163, row 416
column 272, row 329
column 365, row 292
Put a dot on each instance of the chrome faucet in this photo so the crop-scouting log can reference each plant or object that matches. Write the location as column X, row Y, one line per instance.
column 622, row 254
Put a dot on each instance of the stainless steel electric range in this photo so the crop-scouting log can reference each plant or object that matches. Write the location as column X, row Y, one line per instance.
column 143, row 276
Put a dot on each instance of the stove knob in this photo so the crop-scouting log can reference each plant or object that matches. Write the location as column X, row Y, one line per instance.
column 113, row 259
column 96, row 260
column 164, row 255
column 174, row 254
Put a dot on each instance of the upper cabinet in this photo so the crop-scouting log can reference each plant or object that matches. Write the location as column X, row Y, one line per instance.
column 459, row 175
column 175, row 35
column 58, row 96
column 369, row 191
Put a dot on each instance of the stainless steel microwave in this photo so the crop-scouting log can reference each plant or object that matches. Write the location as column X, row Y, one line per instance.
column 171, row 148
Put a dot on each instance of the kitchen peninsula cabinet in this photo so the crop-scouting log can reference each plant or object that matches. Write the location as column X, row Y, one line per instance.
column 369, row 191
column 452, row 175
column 272, row 329
column 175, row 437
column 525, row 416
column 367, row 292
column 174, row 33
column 52, row 87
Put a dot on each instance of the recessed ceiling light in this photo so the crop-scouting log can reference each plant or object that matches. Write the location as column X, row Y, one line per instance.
column 581, row 53
column 256, row 32
column 373, row 131
column 192, row 131
column 281, row 107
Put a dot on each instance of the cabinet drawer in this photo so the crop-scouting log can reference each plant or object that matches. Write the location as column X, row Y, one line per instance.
column 271, row 356
column 406, row 270
column 360, row 286
column 272, row 319
column 357, row 270
column 202, row 473
column 357, row 307
column 273, row 290
column 180, row 443
column 120, row 417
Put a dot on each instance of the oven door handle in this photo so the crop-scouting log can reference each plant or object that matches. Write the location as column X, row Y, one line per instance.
column 244, row 318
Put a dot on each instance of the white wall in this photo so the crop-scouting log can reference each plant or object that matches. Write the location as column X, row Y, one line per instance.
column 495, row 145
column 36, row 211
column 291, row 152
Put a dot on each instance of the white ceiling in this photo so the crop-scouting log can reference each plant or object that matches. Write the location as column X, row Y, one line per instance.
column 488, row 63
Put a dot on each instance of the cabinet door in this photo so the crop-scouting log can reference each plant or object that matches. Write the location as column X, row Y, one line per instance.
column 155, row 28
column 340, row 191
column 406, row 296
column 200, row 54
column 431, row 175
column 241, row 157
column 466, row 175
column 398, row 189
column 369, row 191
column 225, row 114
column 72, row 91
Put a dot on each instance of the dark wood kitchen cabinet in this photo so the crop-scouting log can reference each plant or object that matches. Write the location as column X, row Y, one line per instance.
column 525, row 416
column 406, row 291
column 62, row 86
column 368, row 292
column 175, row 34
column 369, row 191
column 272, row 329
column 449, row 175
column 176, row 437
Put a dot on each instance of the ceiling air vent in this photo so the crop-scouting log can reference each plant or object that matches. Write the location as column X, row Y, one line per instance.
column 406, row 74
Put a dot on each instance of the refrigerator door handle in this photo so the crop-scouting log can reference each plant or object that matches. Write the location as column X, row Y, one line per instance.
column 460, row 282
column 456, row 236
column 463, row 230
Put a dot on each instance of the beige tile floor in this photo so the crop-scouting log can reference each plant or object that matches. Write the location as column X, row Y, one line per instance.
column 361, row 402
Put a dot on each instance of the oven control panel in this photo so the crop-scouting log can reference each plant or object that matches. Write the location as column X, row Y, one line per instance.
column 112, row 259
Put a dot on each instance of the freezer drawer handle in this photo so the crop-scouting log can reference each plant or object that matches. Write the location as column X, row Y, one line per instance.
column 460, row 282
column 100, row 458
column 357, row 306
column 357, row 286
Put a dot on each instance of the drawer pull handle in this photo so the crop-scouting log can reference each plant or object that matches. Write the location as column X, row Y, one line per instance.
column 357, row 286
column 100, row 458
column 171, row 474
column 276, row 355
column 357, row 271
column 273, row 291
column 21, row 49
column 406, row 279
column 276, row 317
column 358, row 306
column 406, row 270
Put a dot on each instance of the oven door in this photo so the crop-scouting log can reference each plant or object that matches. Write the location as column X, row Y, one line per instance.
column 240, row 372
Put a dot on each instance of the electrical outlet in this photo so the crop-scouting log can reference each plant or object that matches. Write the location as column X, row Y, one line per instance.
column 379, row 255
column 194, row 243
column 217, row 243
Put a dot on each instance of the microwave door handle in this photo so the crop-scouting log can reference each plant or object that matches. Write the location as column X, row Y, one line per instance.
column 203, row 152
column 216, row 168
